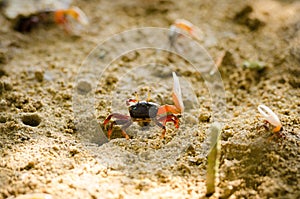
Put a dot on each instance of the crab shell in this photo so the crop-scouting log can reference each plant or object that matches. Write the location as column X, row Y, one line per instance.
column 15, row 8
column 143, row 109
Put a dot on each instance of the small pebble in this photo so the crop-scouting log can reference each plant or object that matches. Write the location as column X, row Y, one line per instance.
column 204, row 117
column 84, row 87
column 39, row 76
column 31, row 119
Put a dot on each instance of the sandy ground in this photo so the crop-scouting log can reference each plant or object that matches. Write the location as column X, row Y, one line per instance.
column 41, row 147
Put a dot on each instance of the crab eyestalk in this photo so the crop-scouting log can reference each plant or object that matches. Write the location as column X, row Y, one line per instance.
column 270, row 117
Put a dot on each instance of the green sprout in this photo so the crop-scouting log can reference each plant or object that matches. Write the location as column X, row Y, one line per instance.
column 213, row 158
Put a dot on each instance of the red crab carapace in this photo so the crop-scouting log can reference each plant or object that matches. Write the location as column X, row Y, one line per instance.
column 144, row 112
column 67, row 18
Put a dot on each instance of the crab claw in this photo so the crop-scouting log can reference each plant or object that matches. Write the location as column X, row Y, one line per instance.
column 270, row 116
column 177, row 96
column 65, row 17
column 187, row 26
column 178, row 108
column 78, row 15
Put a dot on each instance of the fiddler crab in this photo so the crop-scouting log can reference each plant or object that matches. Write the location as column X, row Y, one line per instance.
column 182, row 25
column 271, row 118
column 143, row 112
column 64, row 17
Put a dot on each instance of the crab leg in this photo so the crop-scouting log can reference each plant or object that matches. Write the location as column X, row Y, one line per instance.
column 169, row 118
column 165, row 119
column 109, row 131
column 125, row 123
column 117, row 116
column 124, row 127
column 123, row 120
column 161, row 126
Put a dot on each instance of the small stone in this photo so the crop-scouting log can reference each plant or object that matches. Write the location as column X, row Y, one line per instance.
column 3, row 119
column 228, row 59
column 191, row 150
column 5, row 85
column 55, row 147
column 254, row 65
column 129, row 56
column 185, row 169
column 111, row 80
column 37, row 105
column 39, row 76
column 83, row 87
column 29, row 166
column 3, row 57
column 31, row 119
column 73, row 151
column 204, row 117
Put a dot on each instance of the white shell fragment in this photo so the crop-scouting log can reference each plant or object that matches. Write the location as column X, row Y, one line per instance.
column 269, row 115
column 177, row 92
